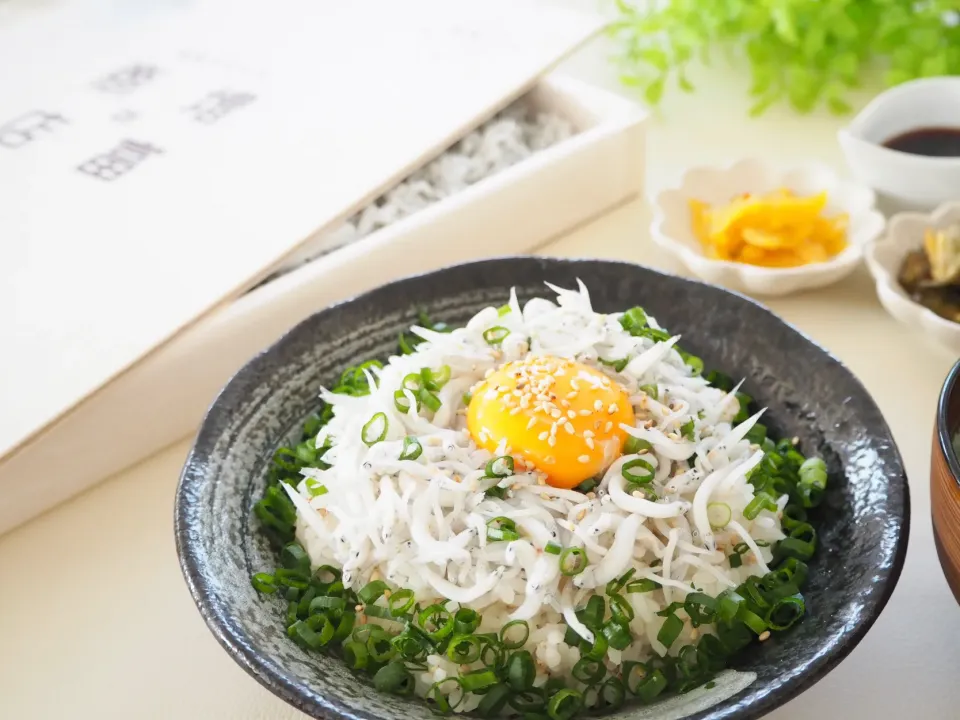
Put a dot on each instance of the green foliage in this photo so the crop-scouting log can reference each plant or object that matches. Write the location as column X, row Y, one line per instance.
column 805, row 52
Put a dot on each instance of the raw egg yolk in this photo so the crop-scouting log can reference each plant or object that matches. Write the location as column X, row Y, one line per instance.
column 558, row 415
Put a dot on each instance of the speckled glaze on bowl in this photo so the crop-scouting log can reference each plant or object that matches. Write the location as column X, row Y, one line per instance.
column 862, row 525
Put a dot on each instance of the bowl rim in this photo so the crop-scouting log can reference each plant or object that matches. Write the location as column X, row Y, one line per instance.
column 886, row 277
column 851, row 255
column 943, row 431
column 274, row 677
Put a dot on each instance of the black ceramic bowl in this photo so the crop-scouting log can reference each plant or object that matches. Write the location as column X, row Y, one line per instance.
column 862, row 524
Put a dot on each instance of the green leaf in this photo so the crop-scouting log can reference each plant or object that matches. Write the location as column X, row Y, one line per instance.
column 934, row 65
column 654, row 91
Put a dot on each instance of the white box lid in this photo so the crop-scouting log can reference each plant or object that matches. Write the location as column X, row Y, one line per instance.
column 155, row 165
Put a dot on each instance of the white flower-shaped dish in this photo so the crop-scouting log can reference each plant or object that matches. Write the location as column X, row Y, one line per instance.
column 884, row 258
column 672, row 228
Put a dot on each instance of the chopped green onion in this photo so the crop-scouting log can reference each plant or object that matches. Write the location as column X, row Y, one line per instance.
column 700, row 608
column 643, row 476
column 467, row 397
column 553, row 549
column 412, row 382
column 617, row 634
column 651, row 686
column 465, row 621
column 430, row 401
column 794, row 548
column 617, row 365
column 611, row 694
column 394, row 678
column 493, row 701
column 402, row 402
column 736, row 560
column 435, row 379
column 720, row 381
column 785, row 612
column 372, row 591
column 621, row 610
column 751, row 619
column 761, row 501
column 478, row 680
column 573, row 561
column 411, row 448
column 686, row 430
column 593, row 613
column 694, row 363
column 502, row 529
column 633, row 319
column 291, row 578
column 355, row 655
column 495, row 335
column 642, row 586
column 437, row 621
column 589, row 671
column 442, row 697
column 307, row 635
column 264, row 582
column 499, row 467
column 464, row 649
column 599, row 648
column 530, row 702
column 324, row 602
column 718, row 514
column 503, row 310
column 521, row 671
column 757, row 433
column 315, row 488
column 294, row 557
column 400, row 601
column 375, row 429
column 516, row 640
column 616, row 585
column 670, row 630
column 634, row 445
column 651, row 391
column 564, row 704
column 587, row 485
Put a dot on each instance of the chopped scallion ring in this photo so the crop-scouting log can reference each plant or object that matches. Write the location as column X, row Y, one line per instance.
column 429, row 400
column 553, row 549
column 495, row 335
column 315, row 488
column 514, row 634
column 411, row 448
column 573, row 561
column 375, row 430
column 637, row 471
column 499, row 467
column 719, row 515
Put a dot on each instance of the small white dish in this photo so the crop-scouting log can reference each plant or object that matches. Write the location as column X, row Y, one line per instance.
column 885, row 256
column 672, row 224
column 908, row 181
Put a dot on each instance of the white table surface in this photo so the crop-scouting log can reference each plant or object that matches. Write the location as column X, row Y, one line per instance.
column 96, row 622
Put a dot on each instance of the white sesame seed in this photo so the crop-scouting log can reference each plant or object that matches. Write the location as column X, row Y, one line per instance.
column 571, row 414
column 612, row 409
column 531, row 422
column 598, row 404
column 584, row 458
column 794, row 440
column 637, row 494
column 542, row 436
column 568, row 427
column 516, row 410
column 574, row 384
column 588, row 433
column 608, row 427
column 765, row 635
column 553, row 429
column 585, row 412
column 549, row 459
column 552, row 440
column 590, row 443
column 555, row 413
column 572, row 394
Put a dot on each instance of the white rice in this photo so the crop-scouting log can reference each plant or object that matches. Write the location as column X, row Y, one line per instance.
column 508, row 138
column 421, row 524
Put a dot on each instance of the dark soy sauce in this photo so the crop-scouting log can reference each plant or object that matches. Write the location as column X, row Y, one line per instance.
column 929, row 141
